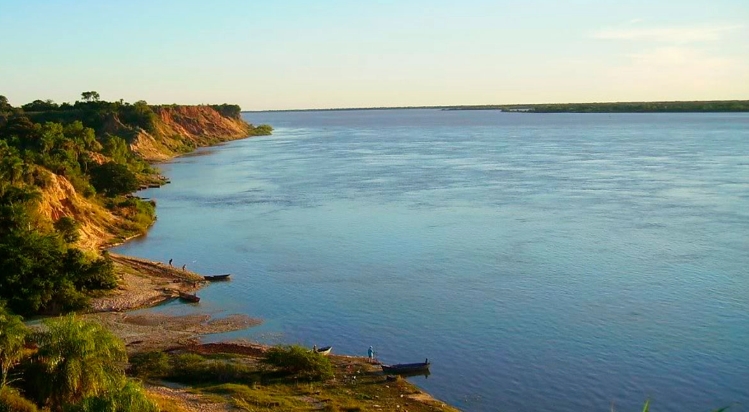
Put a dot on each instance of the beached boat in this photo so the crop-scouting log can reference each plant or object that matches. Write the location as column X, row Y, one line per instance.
column 405, row 368
column 215, row 278
column 189, row 297
column 325, row 350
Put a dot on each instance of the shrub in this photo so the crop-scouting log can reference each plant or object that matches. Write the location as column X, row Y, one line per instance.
column 128, row 398
column 262, row 130
column 150, row 365
column 12, row 401
column 68, row 229
column 300, row 361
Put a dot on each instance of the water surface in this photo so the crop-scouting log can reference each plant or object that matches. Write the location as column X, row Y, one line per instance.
column 541, row 261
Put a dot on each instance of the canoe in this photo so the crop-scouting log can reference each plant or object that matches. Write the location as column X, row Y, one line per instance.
column 214, row 278
column 401, row 368
column 188, row 297
column 325, row 350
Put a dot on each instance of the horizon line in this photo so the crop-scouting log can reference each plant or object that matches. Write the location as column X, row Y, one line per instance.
column 486, row 106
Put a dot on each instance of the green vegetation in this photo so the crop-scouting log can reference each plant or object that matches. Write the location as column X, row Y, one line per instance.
column 79, row 360
column 619, row 107
column 39, row 271
column 288, row 378
column 300, row 362
column 12, row 401
column 42, row 269
column 78, row 367
column 231, row 111
column 190, row 368
column 12, row 339
column 113, row 179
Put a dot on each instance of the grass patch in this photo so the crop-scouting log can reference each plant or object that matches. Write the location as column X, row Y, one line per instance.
column 248, row 383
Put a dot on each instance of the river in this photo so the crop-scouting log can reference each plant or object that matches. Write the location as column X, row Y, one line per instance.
column 560, row 262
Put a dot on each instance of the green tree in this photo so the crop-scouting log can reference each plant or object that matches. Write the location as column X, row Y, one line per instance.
column 113, row 179
column 116, row 148
column 67, row 227
column 12, row 337
column 81, row 359
column 40, row 106
column 4, row 105
column 91, row 96
column 11, row 164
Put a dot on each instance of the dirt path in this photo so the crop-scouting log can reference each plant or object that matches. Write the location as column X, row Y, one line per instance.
column 188, row 402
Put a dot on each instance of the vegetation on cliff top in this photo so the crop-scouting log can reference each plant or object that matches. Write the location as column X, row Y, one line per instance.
column 90, row 145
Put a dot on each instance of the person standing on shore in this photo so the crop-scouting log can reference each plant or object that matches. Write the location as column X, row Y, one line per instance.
column 370, row 354
column 183, row 267
column 170, row 262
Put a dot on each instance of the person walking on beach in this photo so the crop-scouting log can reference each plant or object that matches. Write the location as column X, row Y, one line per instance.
column 170, row 262
column 370, row 354
column 183, row 267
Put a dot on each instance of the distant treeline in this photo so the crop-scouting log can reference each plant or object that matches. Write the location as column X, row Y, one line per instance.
column 620, row 107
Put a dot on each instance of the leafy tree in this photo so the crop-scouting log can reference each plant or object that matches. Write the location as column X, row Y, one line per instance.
column 116, row 148
column 4, row 105
column 113, row 179
column 91, row 96
column 12, row 337
column 300, row 361
column 11, row 164
column 81, row 359
column 40, row 106
column 67, row 227
column 231, row 111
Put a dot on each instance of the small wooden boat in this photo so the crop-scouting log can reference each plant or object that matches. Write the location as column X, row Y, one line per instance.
column 215, row 278
column 406, row 368
column 189, row 297
column 325, row 350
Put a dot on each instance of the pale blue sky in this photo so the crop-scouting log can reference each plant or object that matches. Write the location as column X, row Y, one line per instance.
column 321, row 54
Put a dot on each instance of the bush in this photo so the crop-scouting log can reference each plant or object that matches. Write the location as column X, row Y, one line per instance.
column 150, row 365
column 12, row 401
column 68, row 229
column 262, row 130
column 128, row 398
column 192, row 368
column 300, row 361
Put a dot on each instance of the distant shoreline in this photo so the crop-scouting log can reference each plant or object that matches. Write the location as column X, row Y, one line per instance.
column 706, row 106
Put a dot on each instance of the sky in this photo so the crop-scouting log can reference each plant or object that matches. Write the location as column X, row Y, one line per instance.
column 277, row 54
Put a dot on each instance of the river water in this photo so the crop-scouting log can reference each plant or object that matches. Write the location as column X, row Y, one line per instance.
column 561, row 262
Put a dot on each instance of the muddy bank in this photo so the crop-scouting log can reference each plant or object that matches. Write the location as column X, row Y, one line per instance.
column 144, row 283
column 158, row 331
